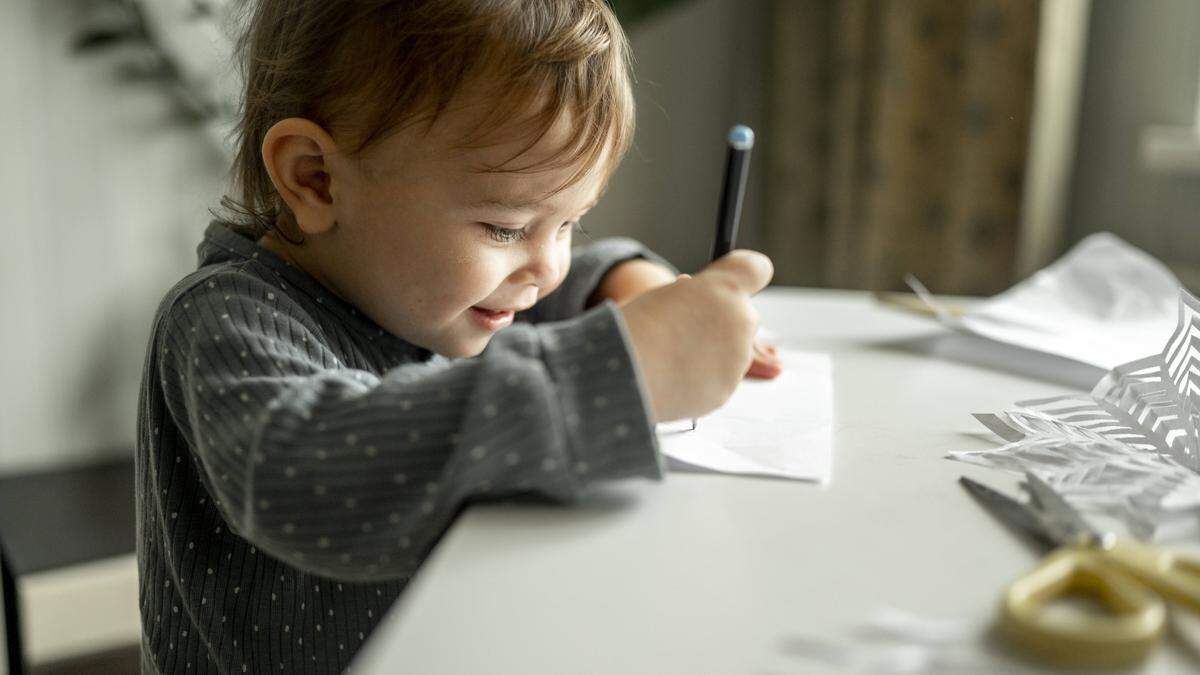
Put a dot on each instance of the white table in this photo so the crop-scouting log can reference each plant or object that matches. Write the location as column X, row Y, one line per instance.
column 709, row 573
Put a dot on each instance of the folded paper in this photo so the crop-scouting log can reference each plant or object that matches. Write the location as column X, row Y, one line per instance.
column 1104, row 303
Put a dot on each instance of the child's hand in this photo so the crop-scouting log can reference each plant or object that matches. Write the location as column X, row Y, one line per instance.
column 766, row 364
column 694, row 339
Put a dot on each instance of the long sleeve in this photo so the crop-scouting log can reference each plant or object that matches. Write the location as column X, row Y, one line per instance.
column 353, row 475
column 589, row 264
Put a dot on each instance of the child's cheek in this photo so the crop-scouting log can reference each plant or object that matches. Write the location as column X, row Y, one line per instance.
column 564, row 264
column 564, row 268
column 487, row 272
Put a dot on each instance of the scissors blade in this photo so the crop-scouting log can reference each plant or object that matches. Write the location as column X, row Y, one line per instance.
column 1058, row 517
column 1012, row 512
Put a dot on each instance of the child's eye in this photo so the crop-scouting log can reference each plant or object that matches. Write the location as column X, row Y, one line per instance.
column 504, row 235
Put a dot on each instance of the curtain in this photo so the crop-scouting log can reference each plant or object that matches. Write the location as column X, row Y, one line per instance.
column 897, row 141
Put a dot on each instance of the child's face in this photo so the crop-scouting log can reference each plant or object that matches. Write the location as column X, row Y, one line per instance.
column 439, row 253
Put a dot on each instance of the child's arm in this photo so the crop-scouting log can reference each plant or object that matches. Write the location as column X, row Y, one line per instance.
column 629, row 279
column 589, row 266
column 351, row 475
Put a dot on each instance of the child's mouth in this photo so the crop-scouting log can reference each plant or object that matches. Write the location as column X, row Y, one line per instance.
column 492, row 319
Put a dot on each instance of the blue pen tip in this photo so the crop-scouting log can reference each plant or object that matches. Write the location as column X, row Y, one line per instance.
column 741, row 137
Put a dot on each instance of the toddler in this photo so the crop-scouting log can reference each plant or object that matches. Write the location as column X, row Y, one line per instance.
column 390, row 322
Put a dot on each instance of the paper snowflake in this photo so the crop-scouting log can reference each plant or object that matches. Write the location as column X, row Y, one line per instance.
column 1130, row 449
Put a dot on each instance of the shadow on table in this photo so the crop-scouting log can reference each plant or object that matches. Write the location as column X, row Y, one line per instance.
column 999, row 356
column 600, row 502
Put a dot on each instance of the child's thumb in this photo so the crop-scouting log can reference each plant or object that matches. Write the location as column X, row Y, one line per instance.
column 747, row 271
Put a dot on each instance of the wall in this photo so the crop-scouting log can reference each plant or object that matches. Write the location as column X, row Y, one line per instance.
column 104, row 187
column 1143, row 64
column 701, row 67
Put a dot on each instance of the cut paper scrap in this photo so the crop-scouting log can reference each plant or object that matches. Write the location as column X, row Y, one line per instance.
column 781, row 427
column 1130, row 449
column 1104, row 303
column 893, row 641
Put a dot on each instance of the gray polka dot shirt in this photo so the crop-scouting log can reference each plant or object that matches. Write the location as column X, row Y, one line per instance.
column 296, row 463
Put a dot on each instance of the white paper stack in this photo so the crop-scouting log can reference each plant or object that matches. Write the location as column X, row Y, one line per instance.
column 1104, row 303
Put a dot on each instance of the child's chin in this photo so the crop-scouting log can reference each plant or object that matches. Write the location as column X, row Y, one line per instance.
column 463, row 349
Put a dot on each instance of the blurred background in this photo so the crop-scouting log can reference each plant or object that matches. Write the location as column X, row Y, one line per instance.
column 969, row 142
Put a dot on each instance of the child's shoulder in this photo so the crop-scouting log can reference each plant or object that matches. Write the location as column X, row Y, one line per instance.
column 232, row 269
column 220, row 313
column 218, row 283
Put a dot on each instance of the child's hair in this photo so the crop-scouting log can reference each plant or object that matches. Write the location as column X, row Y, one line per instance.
column 364, row 68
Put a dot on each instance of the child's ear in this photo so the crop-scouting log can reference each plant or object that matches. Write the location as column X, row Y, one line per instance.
column 295, row 152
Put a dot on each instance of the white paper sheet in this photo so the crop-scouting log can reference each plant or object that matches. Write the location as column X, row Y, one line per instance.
column 1103, row 303
column 781, row 427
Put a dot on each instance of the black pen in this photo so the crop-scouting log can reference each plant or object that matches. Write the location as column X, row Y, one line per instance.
column 737, row 164
column 729, row 213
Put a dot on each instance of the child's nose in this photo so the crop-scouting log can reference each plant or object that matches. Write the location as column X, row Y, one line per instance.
column 542, row 264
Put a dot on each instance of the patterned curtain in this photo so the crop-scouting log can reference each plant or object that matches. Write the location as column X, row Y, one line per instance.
column 898, row 138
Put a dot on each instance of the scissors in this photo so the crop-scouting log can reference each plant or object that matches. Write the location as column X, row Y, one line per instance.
column 1130, row 582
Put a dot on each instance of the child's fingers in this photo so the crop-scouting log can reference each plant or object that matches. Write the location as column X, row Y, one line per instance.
column 765, row 351
column 766, row 364
column 746, row 271
column 764, row 370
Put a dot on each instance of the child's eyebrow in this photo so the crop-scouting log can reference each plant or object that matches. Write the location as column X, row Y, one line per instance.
column 520, row 203
column 512, row 204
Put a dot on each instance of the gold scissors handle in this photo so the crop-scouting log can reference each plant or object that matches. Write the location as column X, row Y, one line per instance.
column 1175, row 576
column 1123, row 634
